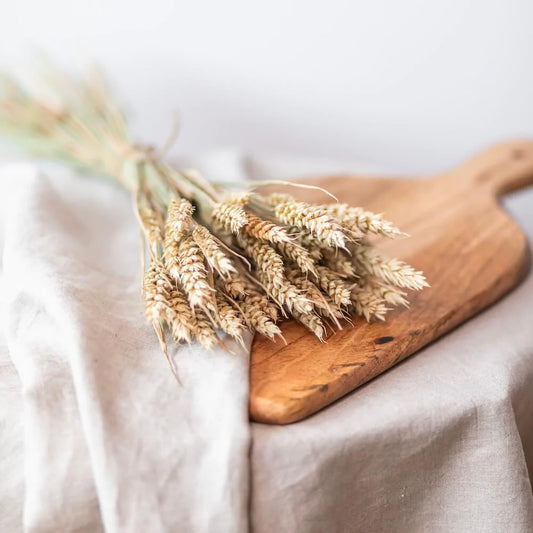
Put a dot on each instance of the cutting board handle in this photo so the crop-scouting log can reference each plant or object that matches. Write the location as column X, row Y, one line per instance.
column 501, row 169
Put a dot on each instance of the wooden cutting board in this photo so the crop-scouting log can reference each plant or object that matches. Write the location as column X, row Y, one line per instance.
column 470, row 250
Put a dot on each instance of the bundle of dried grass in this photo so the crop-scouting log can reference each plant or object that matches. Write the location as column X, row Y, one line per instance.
column 220, row 261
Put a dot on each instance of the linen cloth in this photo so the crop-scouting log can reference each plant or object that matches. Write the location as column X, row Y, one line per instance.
column 111, row 440
column 96, row 434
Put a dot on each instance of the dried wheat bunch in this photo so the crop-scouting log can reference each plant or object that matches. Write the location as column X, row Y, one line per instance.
column 221, row 262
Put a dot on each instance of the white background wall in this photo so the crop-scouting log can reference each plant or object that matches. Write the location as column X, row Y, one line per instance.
column 413, row 85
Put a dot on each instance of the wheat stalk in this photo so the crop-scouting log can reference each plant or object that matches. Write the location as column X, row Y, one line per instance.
column 192, row 274
column 314, row 218
column 257, row 316
column 360, row 222
column 220, row 260
column 213, row 252
column 371, row 262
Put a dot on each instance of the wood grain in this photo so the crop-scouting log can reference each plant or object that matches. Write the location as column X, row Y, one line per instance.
column 470, row 250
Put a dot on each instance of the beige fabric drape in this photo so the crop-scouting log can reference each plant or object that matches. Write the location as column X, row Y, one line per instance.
column 96, row 434
column 111, row 441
